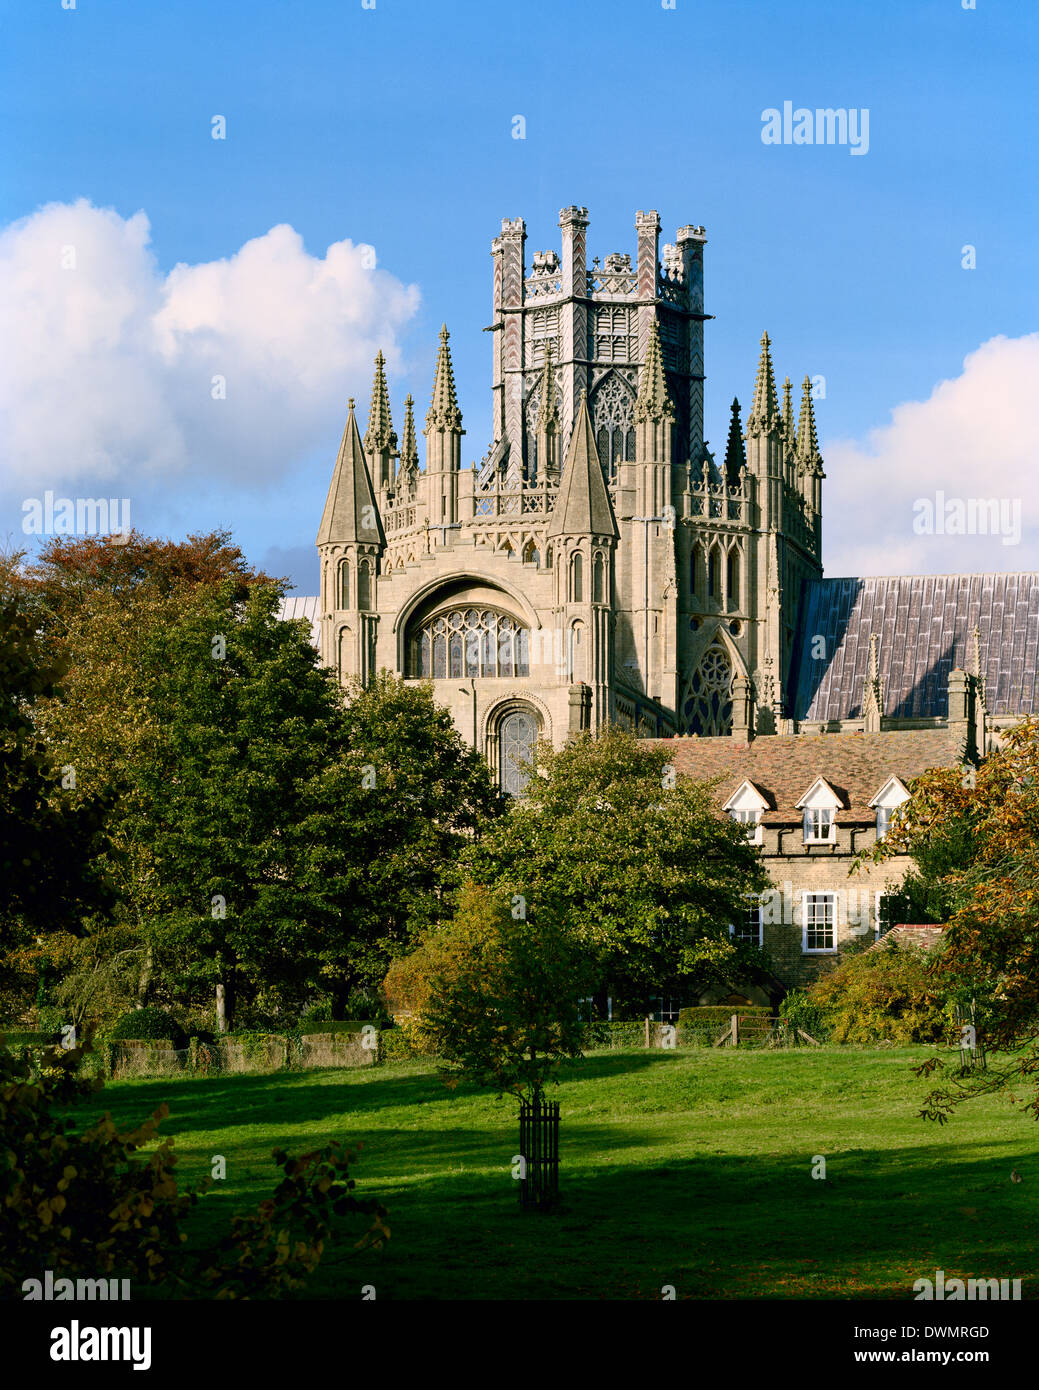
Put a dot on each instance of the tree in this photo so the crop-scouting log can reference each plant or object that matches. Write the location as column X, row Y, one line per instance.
column 397, row 810
column 498, row 994
column 248, row 724
column 48, row 839
column 980, row 830
column 640, row 865
column 93, row 606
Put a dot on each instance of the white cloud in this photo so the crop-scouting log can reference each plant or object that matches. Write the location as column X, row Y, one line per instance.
column 975, row 437
column 107, row 378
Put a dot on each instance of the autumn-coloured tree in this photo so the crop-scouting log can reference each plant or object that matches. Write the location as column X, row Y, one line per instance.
column 977, row 832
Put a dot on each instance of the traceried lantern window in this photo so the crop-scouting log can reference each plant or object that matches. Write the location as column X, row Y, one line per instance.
column 465, row 642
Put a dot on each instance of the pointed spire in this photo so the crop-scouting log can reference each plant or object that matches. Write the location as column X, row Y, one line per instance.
column 735, row 455
column 808, row 456
column 873, row 688
column 443, row 412
column 789, row 428
column 379, row 434
column 653, row 401
column 407, row 471
column 351, row 514
column 582, row 504
column 764, row 408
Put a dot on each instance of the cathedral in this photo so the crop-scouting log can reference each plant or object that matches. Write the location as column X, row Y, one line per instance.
column 602, row 565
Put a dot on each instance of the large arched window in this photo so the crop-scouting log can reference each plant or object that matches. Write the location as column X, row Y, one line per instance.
column 344, row 584
column 577, row 578
column 517, row 740
column 465, row 642
column 613, row 416
column 708, row 706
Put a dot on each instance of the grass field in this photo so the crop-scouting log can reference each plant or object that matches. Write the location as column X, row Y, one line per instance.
column 688, row 1168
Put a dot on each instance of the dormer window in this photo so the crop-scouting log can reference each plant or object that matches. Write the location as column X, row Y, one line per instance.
column 887, row 801
column 820, row 805
column 745, row 806
column 818, row 825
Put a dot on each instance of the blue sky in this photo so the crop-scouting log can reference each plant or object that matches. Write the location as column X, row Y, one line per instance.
column 392, row 126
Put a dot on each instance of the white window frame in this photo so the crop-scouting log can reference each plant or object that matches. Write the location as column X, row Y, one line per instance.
column 820, row 800
column 807, row 903
column 753, row 905
column 891, row 796
column 745, row 807
column 827, row 826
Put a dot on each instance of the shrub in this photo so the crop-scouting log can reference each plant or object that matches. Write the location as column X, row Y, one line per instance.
column 800, row 1011
column 149, row 1023
column 885, row 995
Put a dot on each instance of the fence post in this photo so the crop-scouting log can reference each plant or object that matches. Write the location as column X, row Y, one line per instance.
column 649, row 1025
column 735, row 1027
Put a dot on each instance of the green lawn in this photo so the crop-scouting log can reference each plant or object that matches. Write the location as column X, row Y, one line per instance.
column 689, row 1168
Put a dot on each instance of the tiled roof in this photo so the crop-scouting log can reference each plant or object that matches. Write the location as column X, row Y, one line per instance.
column 303, row 606
column 925, row 625
column 783, row 767
column 908, row 934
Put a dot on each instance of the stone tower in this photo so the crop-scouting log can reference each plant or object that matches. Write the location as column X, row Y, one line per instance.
column 597, row 565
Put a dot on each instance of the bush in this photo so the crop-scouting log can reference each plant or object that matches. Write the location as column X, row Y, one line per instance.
column 885, row 995
column 321, row 1012
column 88, row 1205
column 149, row 1023
column 800, row 1010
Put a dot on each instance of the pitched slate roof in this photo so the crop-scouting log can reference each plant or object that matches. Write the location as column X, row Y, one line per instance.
column 783, row 767
column 582, row 504
column 925, row 625
column 350, row 513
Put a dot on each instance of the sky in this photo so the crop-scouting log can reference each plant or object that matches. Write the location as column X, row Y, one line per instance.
column 185, row 316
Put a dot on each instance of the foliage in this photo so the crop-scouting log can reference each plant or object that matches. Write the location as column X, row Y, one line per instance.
column 48, row 839
column 722, row 1013
column 984, row 842
column 799, row 1010
column 409, row 794
column 149, row 1022
column 502, row 1006
column 90, row 1205
column 646, row 874
column 884, row 995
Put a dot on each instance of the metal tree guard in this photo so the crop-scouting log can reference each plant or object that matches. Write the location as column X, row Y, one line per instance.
column 539, row 1148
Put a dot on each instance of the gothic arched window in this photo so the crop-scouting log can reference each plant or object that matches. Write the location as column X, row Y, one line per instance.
column 466, row 642
column 517, row 739
column 708, row 706
column 713, row 574
column 344, row 584
column 613, row 417
column 598, row 578
column 732, row 578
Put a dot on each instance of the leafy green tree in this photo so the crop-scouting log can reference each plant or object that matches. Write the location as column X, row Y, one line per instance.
column 499, row 1003
column 639, row 865
column 247, row 723
column 397, row 810
column 48, row 838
